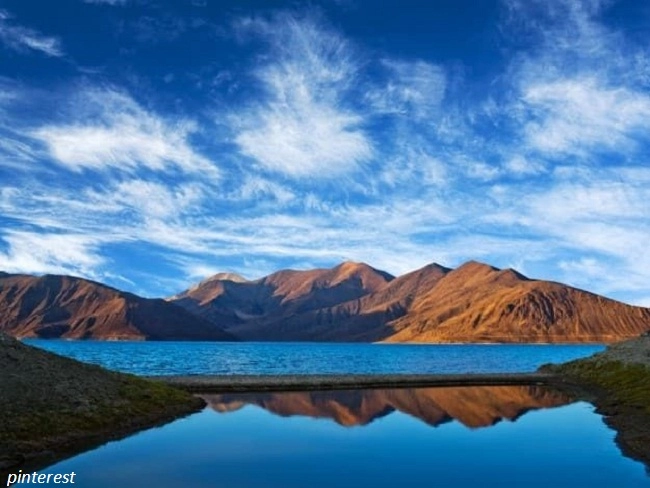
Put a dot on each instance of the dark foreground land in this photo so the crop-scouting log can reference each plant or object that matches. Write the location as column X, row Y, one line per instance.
column 52, row 407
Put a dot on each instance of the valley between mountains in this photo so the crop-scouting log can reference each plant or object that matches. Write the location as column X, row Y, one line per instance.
column 351, row 302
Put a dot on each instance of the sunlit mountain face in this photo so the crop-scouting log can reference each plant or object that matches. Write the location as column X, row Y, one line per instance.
column 474, row 407
column 149, row 144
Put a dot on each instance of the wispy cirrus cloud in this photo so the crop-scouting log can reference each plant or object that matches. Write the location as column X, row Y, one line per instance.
column 24, row 39
column 412, row 88
column 111, row 130
column 38, row 252
column 302, row 126
column 575, row 116
column 107, row 2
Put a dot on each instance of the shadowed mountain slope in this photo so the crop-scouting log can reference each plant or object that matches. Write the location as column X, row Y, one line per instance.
column 74, row 308
column 286, row 305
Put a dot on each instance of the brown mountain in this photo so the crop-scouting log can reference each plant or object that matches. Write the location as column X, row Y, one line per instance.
column 284, row 305
column 62, row 306
column 354, row 302
column 472, row 406
column 350, row 302
column 480, row 303
column 367, row 318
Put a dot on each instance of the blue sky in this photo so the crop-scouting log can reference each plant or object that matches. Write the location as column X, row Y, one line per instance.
column 149, row 144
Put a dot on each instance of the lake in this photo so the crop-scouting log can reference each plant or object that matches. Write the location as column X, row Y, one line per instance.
column 188, row 358
column 462, row 437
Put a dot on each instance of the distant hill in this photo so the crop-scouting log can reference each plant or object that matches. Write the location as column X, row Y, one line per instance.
column 355, row 302
column 74, row 308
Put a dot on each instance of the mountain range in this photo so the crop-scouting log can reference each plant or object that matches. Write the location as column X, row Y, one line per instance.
column 350, row 302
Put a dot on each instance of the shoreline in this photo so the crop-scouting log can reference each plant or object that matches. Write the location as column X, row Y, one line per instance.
column 278, row 383
column 617, row 382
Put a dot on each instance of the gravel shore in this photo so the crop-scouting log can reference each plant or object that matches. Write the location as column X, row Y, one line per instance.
column 256, row 383
column 635, row 351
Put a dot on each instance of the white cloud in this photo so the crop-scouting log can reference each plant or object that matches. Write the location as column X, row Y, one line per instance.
column 22, row 38
column 596, row 199
column 257, row 188
column 481, row 171
column 520, row 165
column 576, row 115
column 413, row 164
column 302, row 128
column 107, row 2
column 15, row 151
column 414, row 88
column 149, row 199
column 112, row 131
column 32, row 252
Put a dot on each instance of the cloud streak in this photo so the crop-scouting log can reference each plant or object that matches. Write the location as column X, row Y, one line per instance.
column 301, row 128
column 24, row 39
column 113, row 131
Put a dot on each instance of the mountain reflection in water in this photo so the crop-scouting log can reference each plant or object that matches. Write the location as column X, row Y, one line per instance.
column 474, row 407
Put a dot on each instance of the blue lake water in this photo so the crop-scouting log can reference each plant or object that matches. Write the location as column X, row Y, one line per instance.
column 461, row 437
column 186, row 358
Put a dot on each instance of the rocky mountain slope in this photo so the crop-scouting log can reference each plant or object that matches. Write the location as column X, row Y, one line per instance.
column 74, row 308
column 288, row 304
column 347, row 303
column 480, row 303
column 354, row 302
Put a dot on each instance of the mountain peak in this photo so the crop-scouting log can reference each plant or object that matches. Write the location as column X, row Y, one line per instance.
column 234, row 277
column 474, row 265
column 352, row 265
column 348, row 268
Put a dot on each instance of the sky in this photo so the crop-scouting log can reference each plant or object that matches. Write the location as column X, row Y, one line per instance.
column 149, row 144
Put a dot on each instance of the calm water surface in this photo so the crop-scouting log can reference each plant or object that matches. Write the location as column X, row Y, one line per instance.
column 461, row 437
column 185, row 358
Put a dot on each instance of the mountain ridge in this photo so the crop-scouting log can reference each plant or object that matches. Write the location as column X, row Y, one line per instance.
column 475, row 302
column 350, row 302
